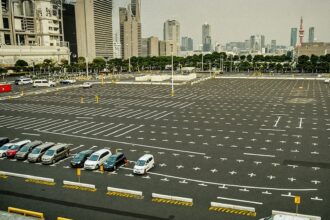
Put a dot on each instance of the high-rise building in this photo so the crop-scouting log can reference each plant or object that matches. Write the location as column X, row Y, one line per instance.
column 69, row 26
column 166, row 47
column 116, row 47
column 130, row 29
column 206, row 37
column 94, row 29
column 31, row 22
column 144, row 47
column 257, row 43
column 187, row 44
column 311, row 35
column 172, row 32
column 293, row 39
column 273, row 45
column 153, row 47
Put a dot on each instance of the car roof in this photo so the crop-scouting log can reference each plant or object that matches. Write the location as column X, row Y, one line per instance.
column 86, row 152
column 57, row 146
column 101, row 151
column 22, row 142
column 8, row 144
column 33, row 143
column 44, row 145
column 117, row 154
column 145, row 157
column 3, row 138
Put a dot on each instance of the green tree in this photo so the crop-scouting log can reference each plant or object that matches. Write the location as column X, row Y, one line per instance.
column 21, row 64
column 98, row 63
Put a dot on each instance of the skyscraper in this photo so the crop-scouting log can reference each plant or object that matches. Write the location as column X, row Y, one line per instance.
column 172, row 32
column 69, row 25
column 94, row 29
column 257, row 43
column 206, row 37
column 301, row 31
column 187, row 44
column 153, row 47
column 130, row 29
column 293, row 39
column 311, row 34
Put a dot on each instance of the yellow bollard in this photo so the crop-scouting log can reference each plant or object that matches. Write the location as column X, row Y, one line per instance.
column 172, row 93
column 97, row 99
column 101, row 169
column 10, row 98
column 22, row 92
column 81, row 100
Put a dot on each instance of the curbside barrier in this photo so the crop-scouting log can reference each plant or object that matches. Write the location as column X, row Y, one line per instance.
column 133, row 192
column 85, row 185
column 230, row 206
column 26, row 212
column 61, row 218
column 27, row 176
column 176, row 198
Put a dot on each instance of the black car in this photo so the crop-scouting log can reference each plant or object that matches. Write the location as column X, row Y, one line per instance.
column 23, row 153
column 115, row 161
column 80, row 158
column 3, row 140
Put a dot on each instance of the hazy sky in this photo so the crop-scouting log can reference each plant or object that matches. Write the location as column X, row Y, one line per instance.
column 234, row 20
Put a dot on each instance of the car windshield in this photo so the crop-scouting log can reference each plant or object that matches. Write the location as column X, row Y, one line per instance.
column 4, row 147
column 24, row 149
column 94, row 158
column 50, row 153
column 111, row 160
column 14, row 147
column 140, row 162
column 36, row 151
column 79, row 156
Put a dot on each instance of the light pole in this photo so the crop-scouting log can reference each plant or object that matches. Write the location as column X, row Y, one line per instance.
column 172, row 92
column 202, row 61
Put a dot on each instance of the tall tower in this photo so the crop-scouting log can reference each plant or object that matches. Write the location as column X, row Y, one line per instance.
column 206, row 37
column 311, row 35
column 301, row 31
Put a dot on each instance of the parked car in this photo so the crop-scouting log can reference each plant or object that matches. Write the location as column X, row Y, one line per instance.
column 86, row 85
column 3, row 140
column 327, row 81
column 115, row 161
column 97, row 159
column 43, row 83
column 68, row 81
column 36, row 153
column 55, row 153
column 11, row 152
column 4, row 149
column 144, row 164
column 23, row 81
column 80, row 158
column 22, row 154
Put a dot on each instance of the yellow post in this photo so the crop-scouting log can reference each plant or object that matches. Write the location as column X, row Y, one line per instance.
column 97, row 99
column 22, row 92
column 81, row 99
column 78, row 174
column 172, row 93
column 297, row 201
column 102, row 168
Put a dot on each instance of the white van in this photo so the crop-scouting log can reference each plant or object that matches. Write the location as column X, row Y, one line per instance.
column 43, row 83
column 144, row 164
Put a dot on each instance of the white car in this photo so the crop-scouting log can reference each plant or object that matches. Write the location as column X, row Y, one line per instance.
column 97, row 159
column 327, row 81
column 23, row 81
column 86, row 85
column 43, row 83
column 144, row 164
column 68, row 81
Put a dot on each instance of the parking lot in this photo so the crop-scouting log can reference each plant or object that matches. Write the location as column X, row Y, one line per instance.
column 246, row 142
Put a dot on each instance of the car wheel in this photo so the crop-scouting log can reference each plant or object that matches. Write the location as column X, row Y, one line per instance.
column 53, row 161
column 145, row 171
column 97, row 167
column 4, row 155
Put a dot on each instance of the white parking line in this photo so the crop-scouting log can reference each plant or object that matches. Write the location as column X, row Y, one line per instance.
column 31, row 134
column 126, row 143
column 129, row 131
column 187, row 105
column 269, row 129
column 108, row 129
column 277, row 121
column 98, row 128
column 259, row 155
column 239, row 200
column 119, row 130
column 163, row 116
column 300, row 123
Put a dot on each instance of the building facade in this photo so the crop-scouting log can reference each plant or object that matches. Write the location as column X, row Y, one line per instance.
column 153, row 47
column 69, row 27
column 206, row 37
column 167, row 47
column 94, row 29
column 131, row 29
column 172, row 33
column 187, row 44
column 308, row 49
column 311, row 36
column 257, row 43
column 293, row 38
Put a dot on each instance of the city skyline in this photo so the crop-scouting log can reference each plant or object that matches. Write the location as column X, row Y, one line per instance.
column 224, row 15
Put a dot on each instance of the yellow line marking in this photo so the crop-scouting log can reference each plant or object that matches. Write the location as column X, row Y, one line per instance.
column 233, row 211
column 3, row 177
column 79, row 188
column 127, row 195
column 173, row 202
column 40, row 182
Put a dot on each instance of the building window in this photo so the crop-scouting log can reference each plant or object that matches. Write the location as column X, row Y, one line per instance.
column 7, row 39
column 5, row 23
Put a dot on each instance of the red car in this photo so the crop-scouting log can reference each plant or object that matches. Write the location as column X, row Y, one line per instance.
column 11, row 152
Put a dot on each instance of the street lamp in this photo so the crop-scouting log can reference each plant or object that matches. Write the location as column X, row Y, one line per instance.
column 129, row 59
column 202, row 61
column 172, row 92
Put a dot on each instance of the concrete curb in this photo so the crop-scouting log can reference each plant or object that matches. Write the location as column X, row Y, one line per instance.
column 85, row 185
column 176, row 198
column 230, row 206
column 261, row 77
column 27, row 176
column 133, row 192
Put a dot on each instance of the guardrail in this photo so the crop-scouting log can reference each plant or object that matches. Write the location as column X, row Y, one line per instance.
column 84, row 185
column 176, row 198
column 26, row 212
column 132, row 192
column 230, row 206
column 44, row 179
